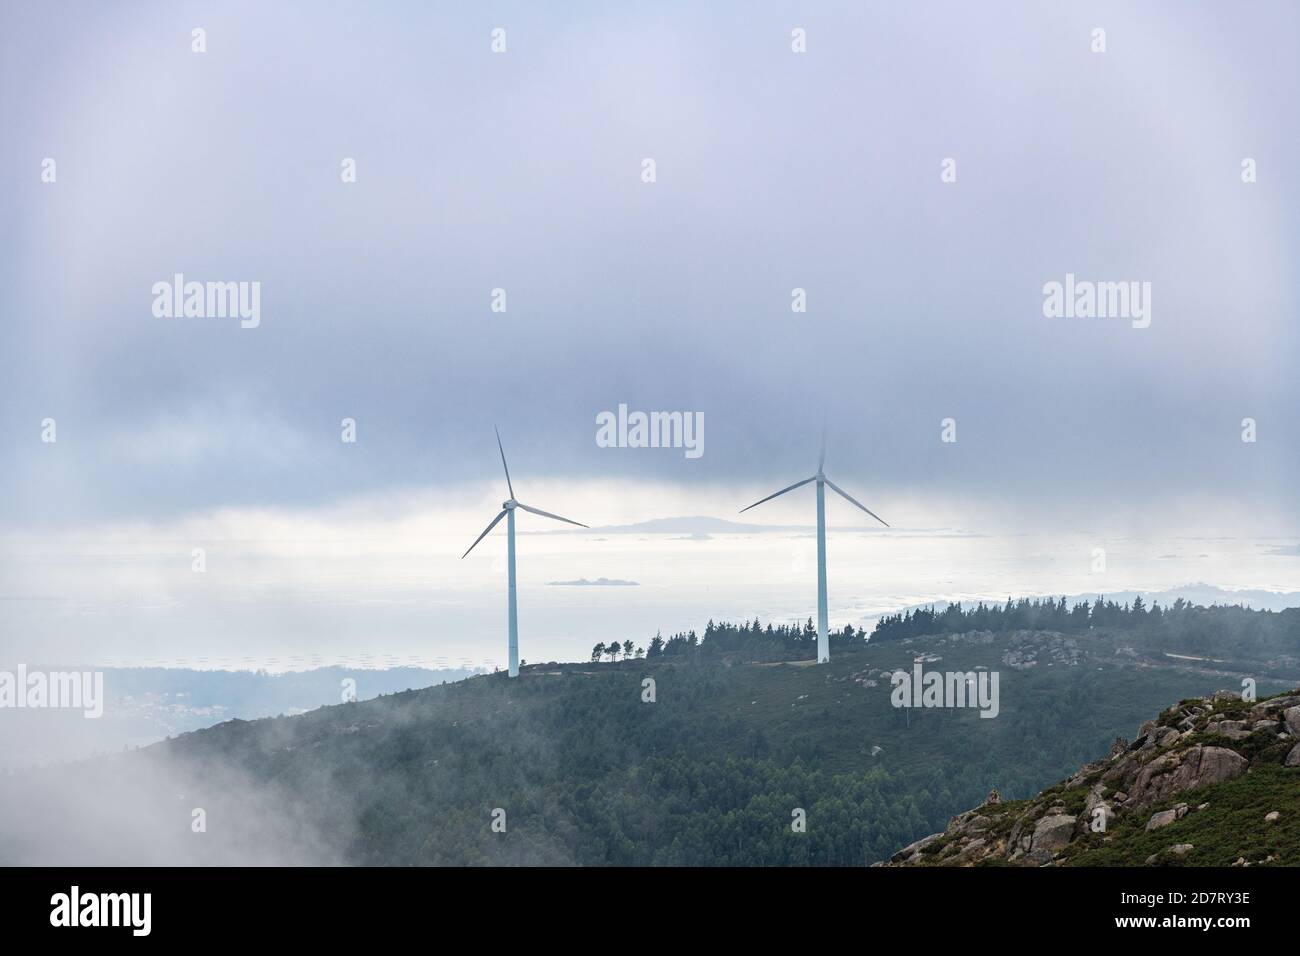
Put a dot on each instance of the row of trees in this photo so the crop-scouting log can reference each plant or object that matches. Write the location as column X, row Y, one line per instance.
column 1025, row 615
column 749, row 638
column 614, row 648
column 1180, row 625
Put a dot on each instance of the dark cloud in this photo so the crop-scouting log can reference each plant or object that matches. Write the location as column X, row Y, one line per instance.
column 521, row 171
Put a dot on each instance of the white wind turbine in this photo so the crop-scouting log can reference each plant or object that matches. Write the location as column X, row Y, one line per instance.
column 508, row 511
column 823, row 641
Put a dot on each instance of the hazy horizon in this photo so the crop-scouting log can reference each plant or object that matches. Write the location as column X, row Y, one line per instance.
column 523, row 171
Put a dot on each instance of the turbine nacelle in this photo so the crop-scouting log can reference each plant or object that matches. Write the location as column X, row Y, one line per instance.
column 821, row 479
column 822, row 483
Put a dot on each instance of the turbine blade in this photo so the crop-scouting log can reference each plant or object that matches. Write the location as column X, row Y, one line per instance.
column 503, row 462
column 547, row 514
column 484, row 534
column 848, row 497
column 777, row 494
column 821, row 461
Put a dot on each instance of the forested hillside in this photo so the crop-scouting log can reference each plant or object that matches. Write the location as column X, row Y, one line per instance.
column 696, row 756
column 1243, row 634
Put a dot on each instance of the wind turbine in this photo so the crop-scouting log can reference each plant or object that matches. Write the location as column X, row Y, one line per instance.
column 508, row 511
column 823, row 641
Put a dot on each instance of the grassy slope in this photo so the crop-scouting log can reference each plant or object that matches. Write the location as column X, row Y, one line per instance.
column 1231, row 826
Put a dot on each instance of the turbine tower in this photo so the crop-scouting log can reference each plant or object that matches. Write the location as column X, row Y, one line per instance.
column 823, row 641
column 508, row 512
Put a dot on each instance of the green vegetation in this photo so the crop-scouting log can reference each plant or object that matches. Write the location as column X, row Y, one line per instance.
column 1181, row 628
column 590, row 773
column 1231, row 827
column 748, row 641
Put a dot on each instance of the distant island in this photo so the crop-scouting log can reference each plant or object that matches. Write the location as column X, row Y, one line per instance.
column 599, row 582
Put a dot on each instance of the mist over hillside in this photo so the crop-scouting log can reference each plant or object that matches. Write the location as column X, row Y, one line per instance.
column 702, row 754
column 143, row 705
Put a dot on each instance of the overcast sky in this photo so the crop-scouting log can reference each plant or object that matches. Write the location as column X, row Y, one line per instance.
column 775, row 170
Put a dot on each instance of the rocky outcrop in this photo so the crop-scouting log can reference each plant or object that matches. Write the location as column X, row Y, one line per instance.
column 1234, row 729
column 912, row 852
column 1273, row 705
column 1178, row 850
column 1292, row 718
column 1052, row 832
column 1175, row 771
column 1166, row 817
column 1191, row 745
column 1030, row 648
